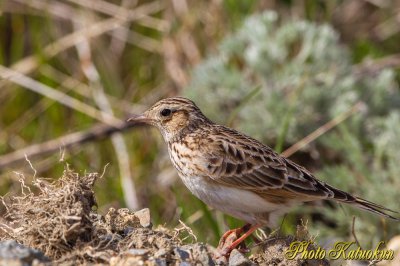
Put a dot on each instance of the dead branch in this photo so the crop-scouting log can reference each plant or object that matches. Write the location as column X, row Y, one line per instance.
column 98, row 131
column 323, row 129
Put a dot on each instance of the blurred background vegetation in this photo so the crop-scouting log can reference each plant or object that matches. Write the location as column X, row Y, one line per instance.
column 277, row 70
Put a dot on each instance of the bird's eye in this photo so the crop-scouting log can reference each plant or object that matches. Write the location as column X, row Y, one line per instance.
column 166, row 112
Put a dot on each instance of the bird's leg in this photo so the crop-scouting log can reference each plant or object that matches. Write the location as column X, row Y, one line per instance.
column 224, row 249
column 226, row 234
column 236, row 231
column 235, row 243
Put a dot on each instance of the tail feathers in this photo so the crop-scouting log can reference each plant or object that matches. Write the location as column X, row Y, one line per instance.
column 373, row 207
column 345, row 197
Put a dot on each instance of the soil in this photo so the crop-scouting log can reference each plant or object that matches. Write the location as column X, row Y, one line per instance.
column 58, row 225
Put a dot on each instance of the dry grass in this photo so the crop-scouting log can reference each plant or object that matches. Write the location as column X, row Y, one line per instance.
column 59, row 220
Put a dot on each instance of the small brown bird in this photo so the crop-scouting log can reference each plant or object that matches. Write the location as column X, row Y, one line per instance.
column 237, row 174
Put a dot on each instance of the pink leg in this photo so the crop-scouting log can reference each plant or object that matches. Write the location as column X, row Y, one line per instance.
column 240, row 239
column 247, row 230
column 237, row 231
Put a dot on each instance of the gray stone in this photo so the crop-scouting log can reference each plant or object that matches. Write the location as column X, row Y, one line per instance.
column 128, row 230
column 144, row 217
column 160, row 262
column 182, row 254
column 200, row 253
column 11, row 250
column 136, row 252
column 238, row 259
column 161, row 252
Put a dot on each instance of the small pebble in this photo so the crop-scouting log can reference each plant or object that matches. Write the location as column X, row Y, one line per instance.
column 136, row 252
column 183, row 254
column 144, row 217
column 238, row 259
column 12, row 250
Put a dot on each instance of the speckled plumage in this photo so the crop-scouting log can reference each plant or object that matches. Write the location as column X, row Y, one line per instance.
column 235, row 173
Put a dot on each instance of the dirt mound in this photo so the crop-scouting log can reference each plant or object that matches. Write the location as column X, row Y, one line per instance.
column 59, row 219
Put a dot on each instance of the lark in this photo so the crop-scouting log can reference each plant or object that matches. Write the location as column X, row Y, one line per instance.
column 235, row 173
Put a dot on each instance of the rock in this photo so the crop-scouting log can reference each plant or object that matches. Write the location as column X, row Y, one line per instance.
column 221, row 261
column 136, row 252
column 118, row 220
column 238, row 259
column 13, row 253
column 144, row 217
column 182, row 254
column 160, row 253
column 128, row 230
column 124, row 220
column 126, row 260
column 160, row 262
column 199, row 254
column 133, row 256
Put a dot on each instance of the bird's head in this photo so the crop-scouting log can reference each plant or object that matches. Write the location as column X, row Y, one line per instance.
column 172, row 116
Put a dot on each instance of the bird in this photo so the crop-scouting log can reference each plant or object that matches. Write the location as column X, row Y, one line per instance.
column 237, row 174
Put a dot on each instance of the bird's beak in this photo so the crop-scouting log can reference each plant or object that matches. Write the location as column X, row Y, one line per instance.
column 142, row 118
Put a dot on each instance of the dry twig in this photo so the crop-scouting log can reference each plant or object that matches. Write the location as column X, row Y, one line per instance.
column 322, row 130
column 98, row 131
column 353, row 232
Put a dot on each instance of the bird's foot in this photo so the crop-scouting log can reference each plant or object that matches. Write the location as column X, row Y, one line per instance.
column 232, row 234
column 234, row 239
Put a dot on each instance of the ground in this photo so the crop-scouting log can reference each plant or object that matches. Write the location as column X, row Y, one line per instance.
column 57, row 223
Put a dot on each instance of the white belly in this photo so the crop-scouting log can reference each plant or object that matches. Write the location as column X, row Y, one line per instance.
column 241, row 204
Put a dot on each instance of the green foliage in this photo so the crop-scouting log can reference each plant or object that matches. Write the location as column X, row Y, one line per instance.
column 306, row 78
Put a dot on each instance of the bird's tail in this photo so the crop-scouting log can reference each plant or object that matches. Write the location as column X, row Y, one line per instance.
column 375, row 208
column 370, row 206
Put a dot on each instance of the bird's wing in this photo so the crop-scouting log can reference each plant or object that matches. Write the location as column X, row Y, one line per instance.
column 236, row 160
